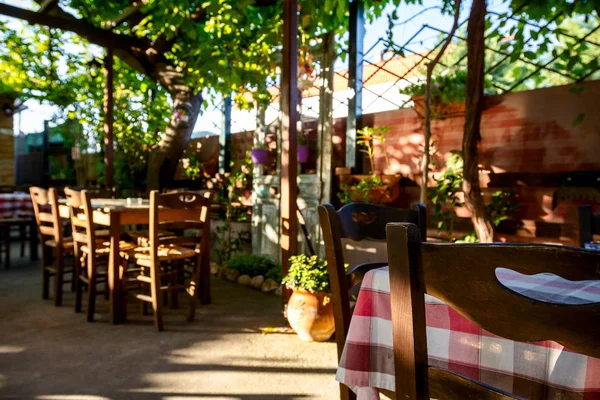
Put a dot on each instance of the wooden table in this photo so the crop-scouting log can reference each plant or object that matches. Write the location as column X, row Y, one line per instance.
column 115, row 213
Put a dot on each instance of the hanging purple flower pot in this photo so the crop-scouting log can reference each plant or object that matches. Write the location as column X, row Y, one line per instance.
column 259, row 156
column 302, row 154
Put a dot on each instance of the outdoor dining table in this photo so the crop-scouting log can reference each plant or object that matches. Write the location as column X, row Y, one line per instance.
column 540, row 370
column 114, row 214
column 16, row 208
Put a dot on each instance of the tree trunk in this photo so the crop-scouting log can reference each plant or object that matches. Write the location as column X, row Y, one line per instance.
column 164, row 158
column 427, row 127
column 473, row 110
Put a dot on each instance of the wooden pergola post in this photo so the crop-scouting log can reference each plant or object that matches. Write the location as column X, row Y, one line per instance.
column 289, row 135
column 225, row 138
column 355, row 80
column 109, row 169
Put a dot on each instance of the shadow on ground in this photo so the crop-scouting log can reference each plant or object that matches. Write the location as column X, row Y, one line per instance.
column 51, row 353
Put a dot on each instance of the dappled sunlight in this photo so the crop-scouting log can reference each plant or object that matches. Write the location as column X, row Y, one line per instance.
column 11, row 349
column 70, row 397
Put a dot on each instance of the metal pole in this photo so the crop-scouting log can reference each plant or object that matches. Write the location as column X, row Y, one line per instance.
column 225, row 137
column 109, row 169
column 289, row 135
column 355, row 81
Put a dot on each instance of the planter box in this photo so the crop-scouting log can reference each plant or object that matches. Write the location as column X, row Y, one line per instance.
column 449, row 110
column 384, row 194
column 438, row 110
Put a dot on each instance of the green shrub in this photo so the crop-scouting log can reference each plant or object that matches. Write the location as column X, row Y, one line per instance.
column 250, row 264
column 274, row 273
column 307, row 273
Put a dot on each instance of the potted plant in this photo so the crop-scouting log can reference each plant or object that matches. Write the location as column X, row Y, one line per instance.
column 259, row 154
column 309, row 310
column 375, row 188
column 303, row 149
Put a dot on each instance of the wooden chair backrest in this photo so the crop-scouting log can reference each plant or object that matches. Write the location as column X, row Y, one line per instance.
column 589, row 224
column 189, row 210
column 82, row 224
column 464, row 277
column 49, row 223
column 356, row 221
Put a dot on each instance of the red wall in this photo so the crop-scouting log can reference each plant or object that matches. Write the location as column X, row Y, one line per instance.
column 527, row 133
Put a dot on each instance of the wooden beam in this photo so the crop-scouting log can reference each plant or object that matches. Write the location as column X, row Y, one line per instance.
column 125, row 15
column 46, row 5
column 355, row 81
column 289, row 136
column 82, row 28
column 225, row 138
column 109, row 168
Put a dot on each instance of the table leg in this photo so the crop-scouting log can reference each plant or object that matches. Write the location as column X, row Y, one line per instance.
column 114, row 284
column 33, row 241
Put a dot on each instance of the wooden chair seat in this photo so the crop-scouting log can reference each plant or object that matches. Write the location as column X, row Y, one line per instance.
column 141, row 255
column 67, row 243
column 141, row 236
column 103, row 248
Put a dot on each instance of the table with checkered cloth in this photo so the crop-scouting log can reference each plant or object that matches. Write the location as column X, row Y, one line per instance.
column 540, row 370
column 15, row 205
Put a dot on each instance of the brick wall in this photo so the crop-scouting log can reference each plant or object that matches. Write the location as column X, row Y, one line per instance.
column 532, row 132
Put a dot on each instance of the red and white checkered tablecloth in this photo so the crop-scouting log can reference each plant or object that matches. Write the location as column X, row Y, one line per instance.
column 540, row 370
column 14, row 205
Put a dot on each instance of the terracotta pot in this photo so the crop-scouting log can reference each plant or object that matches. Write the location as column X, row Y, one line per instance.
column 311, row 315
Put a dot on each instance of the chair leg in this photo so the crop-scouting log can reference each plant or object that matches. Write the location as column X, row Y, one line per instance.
column 7, row 244
column 78, row 267
column 46, row 256
column 143, row 308
column 175, row 278
column 73, row 273
column 157, row 302
column 23, row 238
column 91, row 294
column 123, row 282
column 204, row 282
column 194, row 289
column 59, row 265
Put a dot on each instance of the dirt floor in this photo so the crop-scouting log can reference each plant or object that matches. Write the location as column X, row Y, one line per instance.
column 51, row 353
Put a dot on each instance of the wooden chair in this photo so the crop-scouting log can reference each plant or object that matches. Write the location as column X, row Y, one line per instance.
column 55, row 247
column 464, row 277
column 356, row 221
column 163, row 262
column 91, row 251
column 589, row 224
